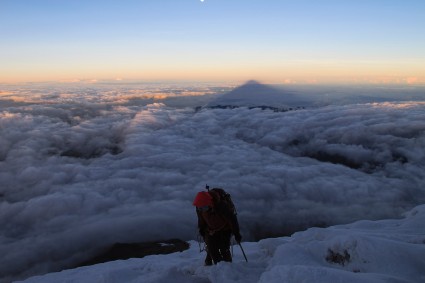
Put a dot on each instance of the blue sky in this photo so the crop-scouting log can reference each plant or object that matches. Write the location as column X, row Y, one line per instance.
column 212, row 40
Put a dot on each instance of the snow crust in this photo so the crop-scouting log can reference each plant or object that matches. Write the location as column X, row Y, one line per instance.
column 378, row 251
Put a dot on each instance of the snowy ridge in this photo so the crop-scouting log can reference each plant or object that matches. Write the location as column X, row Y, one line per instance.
column 364, row 251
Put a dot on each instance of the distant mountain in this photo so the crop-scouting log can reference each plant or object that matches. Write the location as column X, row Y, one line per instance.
column 255, row 94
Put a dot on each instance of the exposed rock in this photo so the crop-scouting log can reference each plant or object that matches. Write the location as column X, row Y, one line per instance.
column 137, row 250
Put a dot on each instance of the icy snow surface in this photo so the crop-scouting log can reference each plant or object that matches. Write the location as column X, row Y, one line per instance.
column 378, row 251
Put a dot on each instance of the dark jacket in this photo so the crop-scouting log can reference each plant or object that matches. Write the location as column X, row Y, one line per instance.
column 217, row 218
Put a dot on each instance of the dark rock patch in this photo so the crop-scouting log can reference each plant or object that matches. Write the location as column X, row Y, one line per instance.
column 123, row 251
column 342, row 258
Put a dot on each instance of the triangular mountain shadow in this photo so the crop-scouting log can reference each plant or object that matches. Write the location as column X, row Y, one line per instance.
column 253, row 94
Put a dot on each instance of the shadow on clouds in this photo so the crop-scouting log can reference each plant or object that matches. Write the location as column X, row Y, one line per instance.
column 78, row 177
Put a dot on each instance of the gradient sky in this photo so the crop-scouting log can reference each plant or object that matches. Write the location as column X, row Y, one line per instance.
column 213, row 40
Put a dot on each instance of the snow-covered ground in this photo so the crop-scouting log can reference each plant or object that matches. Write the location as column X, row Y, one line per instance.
column 364, row 251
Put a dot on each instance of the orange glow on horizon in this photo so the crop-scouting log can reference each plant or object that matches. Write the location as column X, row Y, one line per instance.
column 290, row 74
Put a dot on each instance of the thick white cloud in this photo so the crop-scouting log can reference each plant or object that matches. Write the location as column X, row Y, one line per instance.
column 78, row 177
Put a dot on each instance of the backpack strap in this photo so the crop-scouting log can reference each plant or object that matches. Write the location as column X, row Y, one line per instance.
column 215, row 196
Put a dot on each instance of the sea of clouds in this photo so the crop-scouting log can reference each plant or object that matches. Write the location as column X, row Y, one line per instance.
column 81, row 169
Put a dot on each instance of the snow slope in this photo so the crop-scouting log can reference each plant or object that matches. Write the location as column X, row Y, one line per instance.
column 364, row 251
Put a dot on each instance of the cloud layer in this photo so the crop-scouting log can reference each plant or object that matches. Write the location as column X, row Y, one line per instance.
column 77, row 176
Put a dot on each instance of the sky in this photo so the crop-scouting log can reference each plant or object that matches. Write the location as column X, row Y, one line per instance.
column 213, row 40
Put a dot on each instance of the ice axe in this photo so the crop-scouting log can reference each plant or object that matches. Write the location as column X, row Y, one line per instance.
column 243, row 252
